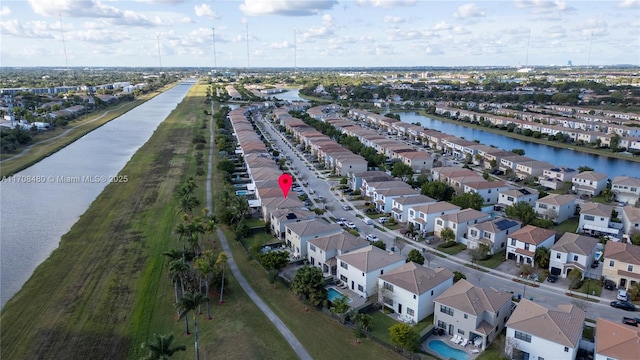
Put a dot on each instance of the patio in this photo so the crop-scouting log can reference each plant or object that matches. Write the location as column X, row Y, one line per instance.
column 356, row 300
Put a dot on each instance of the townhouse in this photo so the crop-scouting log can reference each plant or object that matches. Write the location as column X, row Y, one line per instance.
column 626, row 189
column 279, row 218
column 616, row 341
column 555, row 177
column 492, row 233
column 472, row 312
column 322, row 251
column 595, row 220
column 512, row 196
column 630, row 219
column 423, row 217
column 410, row 289
column 522, row 244
column 621, row 264
column 356, row 179
column 459, row 222
column 531, row 168
column 489, row 190
column 360, row 268
column 589, row 183
column 400, row 205
column 556, row 207
column 572, row 252
column 383, row 197
column 537, row 331
column 371, row 188
column 298, row 233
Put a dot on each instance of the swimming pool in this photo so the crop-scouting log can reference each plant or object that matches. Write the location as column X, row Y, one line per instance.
column 446, row 351
column 333, row 294
column 242, row 192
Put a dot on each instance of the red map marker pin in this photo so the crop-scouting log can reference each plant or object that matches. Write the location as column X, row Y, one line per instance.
column 285, row 181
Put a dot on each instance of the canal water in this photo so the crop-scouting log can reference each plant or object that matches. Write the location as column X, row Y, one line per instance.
column 40, row 204
column 553, row 155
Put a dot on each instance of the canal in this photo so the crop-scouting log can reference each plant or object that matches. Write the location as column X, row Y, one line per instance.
column 557, row 156
column 42, row 202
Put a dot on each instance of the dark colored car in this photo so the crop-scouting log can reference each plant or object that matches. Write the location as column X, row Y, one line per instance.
column 595, row 264
column 630, row 321
column 552, row 278
column 623, row 305
column 609, row 285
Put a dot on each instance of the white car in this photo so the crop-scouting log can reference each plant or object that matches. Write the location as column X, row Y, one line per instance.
column 622, row 295
column 382, row 220
column 372, row 237
column 341, row 221
column 346, row 207
column 350, row 225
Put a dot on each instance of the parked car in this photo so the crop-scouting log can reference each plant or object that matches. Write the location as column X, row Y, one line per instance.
column 624, row 305
column 622, row 295
column 552, row 278
column 609, row 285
column 383, row 219
column 350, row 225
column 367, row 221
column 630, row 321
column 341, row 221
column 372, row 237
column 595, row 264
column 346, row 207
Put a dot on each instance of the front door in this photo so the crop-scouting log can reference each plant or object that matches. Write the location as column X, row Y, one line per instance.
column 623, row 283
column 399, row 308
column 450, row 329
column 352, row 286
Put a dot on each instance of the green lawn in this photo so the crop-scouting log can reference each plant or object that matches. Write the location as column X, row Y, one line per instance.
column 591, row 287
column 380, row 325
column 588, row 332
column 254, row 223
column 570, row 225
column 454, row 249
column 494, row 260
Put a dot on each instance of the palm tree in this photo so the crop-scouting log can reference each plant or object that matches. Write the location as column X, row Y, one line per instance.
column 204, row 266
column 160, row 348
column 178, row 269
column 190, row 302
column 210, row 227
column 222, row 260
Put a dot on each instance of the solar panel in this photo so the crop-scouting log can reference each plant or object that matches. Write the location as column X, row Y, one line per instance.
column 505, row 224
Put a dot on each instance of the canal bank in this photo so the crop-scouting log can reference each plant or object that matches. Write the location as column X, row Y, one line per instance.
column 559, row 156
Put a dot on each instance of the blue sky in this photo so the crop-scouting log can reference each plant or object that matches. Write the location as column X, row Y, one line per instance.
column 327, row 33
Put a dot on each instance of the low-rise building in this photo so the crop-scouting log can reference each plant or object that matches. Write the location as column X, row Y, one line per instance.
column 626, row 189
column 595, row 220
column 572, row 252
column 536, row 331
column 472, row 312
column 630, row 219
column 589, row 183
column 555, row 178
column 491, row 233
column 522, row 244
column 556, row 207
column 489, row 190
column 423, row 217
column 410, row 289
column 513, row 196
column 621, row 263
column 298, row 233
column 616, row 341
column 400, row 205
column 360, row 269
column 459, row 222
column 322, row 251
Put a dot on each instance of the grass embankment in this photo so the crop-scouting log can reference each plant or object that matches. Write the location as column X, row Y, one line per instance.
column 106, row 289
column 573, row 147
column 49, row 142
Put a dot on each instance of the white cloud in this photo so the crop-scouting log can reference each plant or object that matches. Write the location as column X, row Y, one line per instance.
column 442, row 26
column 31, row 29
column 5, row 11
column 104, row 36
column 92, row 9
column 393, row 19
column 468, row 10
column 317, row 32
column 459, row 30
column 162, row 2
column 386, row 4
column 411, row 34
column 543, row 6
column 280, row 45
column 204, row 10
column 629, row 4
column 286, row 7
column 593, row 27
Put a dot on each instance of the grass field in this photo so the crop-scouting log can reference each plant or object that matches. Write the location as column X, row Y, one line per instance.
column 49, row 142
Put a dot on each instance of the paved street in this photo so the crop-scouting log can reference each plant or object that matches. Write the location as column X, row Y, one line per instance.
column 547, row 293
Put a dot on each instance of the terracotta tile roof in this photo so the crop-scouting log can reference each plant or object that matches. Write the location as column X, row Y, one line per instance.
column 632, row 213
column 532, row 234
column 464, row 216
column 555, row 199
column 627, row 253
column 416, row 278
column 474, row 300
column 561, row 325
column 616, row 340
column 370, row 258
column 596, row 209
column 311, row 227
column 590, row 175
column 626, row 180
column 438, row 207
column 576, row 244
column 343, row 241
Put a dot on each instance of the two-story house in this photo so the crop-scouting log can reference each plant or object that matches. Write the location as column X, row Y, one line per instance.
column 556, row 207
column 621, row 263
column 298, row 233
column 630, row 219
column 555, row 178
column 360, row 269
column 322, row 251
column 626, row 189
column 522, row 244
column 472, row 312
column 280, row 217
column 572, row 251
column 512, row 196
column 595, row 220
column 459, row 222
column 492, row 233
column 589, row 183
column 410, row 289
column 383, row 198
column 400, row 205
column 489, row 190
column 423, row 217
column 537, row 331
column 616, row 341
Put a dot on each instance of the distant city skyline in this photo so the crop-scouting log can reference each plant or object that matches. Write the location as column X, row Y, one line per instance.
column 328, row 33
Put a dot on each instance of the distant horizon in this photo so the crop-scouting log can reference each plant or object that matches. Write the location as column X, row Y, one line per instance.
column 319, row 33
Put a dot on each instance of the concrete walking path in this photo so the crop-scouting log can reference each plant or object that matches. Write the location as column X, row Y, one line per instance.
column 282, row 328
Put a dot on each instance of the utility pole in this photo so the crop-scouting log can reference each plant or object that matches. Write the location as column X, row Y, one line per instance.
column 247, row 29
column 159, row 56
column 64, row 45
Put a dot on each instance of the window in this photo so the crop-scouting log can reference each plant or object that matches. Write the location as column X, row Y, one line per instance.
column 540, row 358
column 589, row 217
column 312, row 247
column 414, row 296
column 509, row 198
column 513, row 242
column 461, row 332
column 474, row 233
column 612, row 263
column 526, row 246
column 466, row 316
column 289, row 231
column 344, row 278
column 558, row 256
column 439, row 222
column 566, row 349
column 387, row 286
column 344, row 265
column 522, row 336
column 409, row 312
column 387, row 301
column 575, row 257
column 487, row 235
column 447, row 310
column 360, row 288
column 431, row 292
column 629, row 267
column 542, row 206
column 442, row 324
